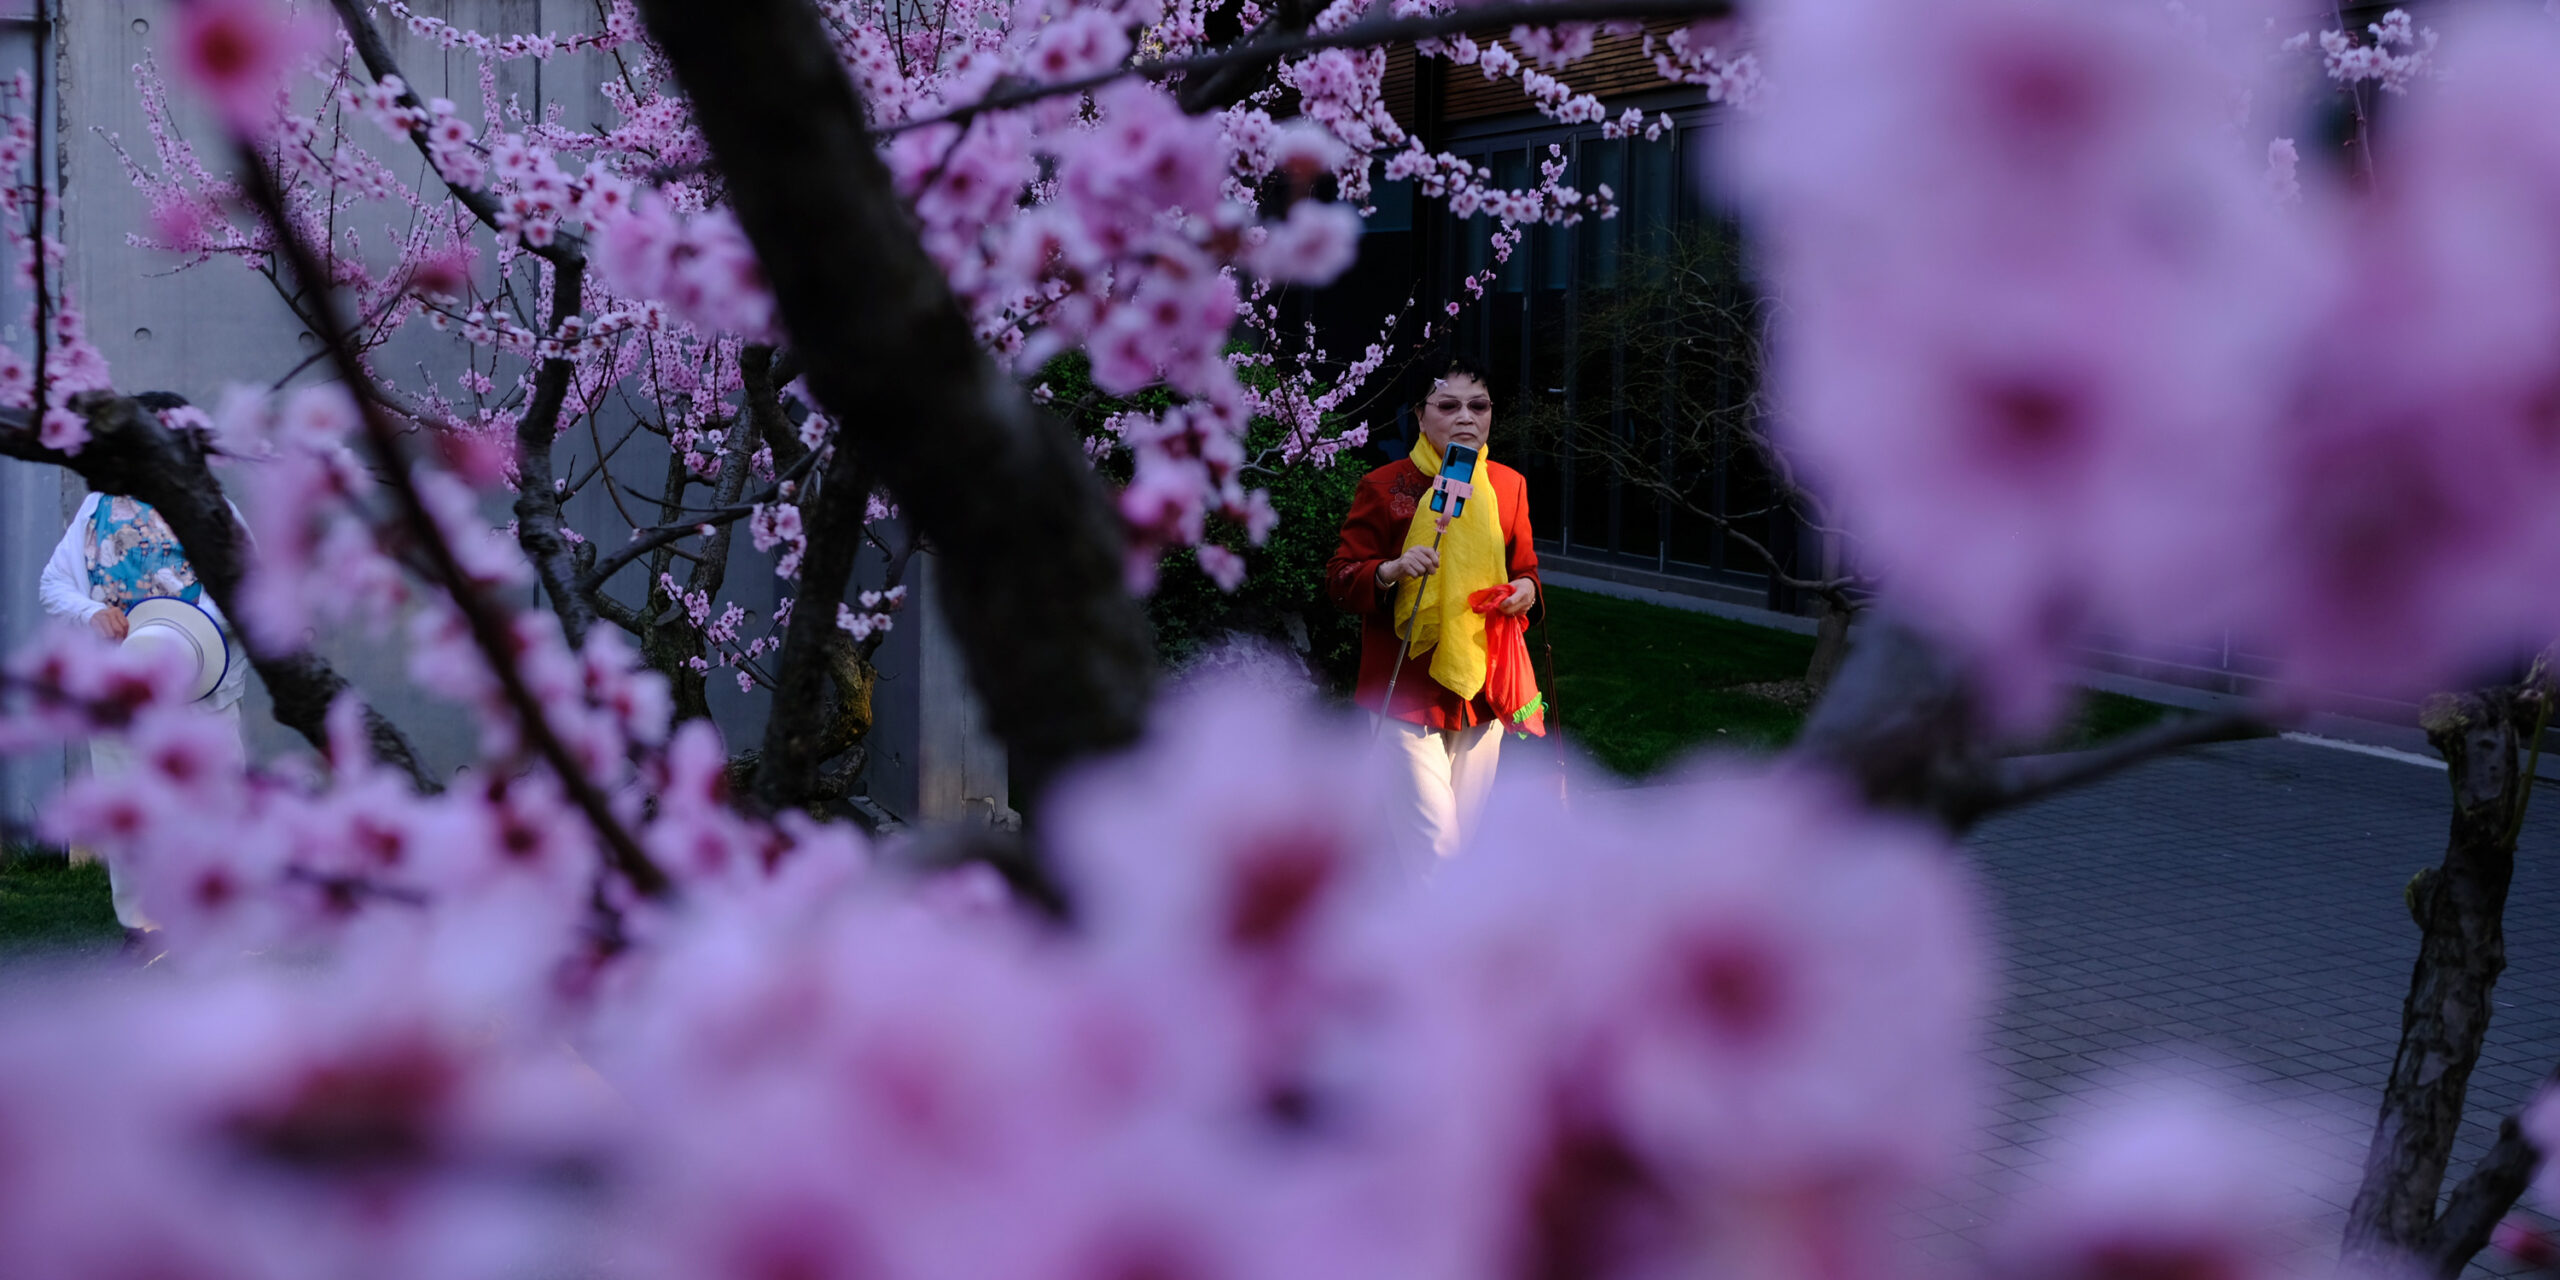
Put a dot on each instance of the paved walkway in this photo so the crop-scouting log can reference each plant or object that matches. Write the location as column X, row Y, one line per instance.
column 2241, row 905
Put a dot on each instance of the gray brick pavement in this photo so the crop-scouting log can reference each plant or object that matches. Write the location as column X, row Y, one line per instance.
column 2237, row 912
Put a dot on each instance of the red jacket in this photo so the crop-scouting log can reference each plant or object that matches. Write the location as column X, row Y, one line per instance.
column 1381, row 512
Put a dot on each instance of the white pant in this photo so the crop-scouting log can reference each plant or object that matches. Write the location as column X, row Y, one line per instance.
column 1442, row 785
column 107, row 758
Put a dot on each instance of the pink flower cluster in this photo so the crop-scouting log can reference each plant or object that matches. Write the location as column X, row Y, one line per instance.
column 71, row 363
column 874, row 617
column 2349, row 63
column 1733, row 1031
column 1119, row 225
column 2059, row 410
column 701, row 267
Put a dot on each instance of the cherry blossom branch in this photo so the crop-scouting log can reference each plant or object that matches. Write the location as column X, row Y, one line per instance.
column 539, row 523
column 564, row 253
column 130, row 454
column 1367, row 33
column 486, row 619
column 644, row 541
column 796, row 733
column 1902, row 725
column 1227, row 85
column 1032, row 548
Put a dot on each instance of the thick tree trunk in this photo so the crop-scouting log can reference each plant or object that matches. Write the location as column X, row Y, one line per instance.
column 2459, row 908
column 1031, row 546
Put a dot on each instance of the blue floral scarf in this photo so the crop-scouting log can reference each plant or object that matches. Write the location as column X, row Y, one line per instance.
column 133, row 556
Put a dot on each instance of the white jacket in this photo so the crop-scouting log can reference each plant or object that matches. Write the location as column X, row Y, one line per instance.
column 65, row 587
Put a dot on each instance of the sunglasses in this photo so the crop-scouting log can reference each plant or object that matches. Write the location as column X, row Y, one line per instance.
column 1477, row 407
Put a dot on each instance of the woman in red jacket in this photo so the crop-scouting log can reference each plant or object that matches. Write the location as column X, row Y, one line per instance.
column 1413, row 603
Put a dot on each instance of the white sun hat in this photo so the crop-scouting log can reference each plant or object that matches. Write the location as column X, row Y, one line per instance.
column 166, row 624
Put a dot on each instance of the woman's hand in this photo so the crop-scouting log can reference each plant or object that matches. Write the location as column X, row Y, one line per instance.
column 1412, row 564
column 110, row 623
column 1523, row 594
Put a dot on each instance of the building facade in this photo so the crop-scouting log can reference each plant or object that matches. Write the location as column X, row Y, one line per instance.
column 1620, row 349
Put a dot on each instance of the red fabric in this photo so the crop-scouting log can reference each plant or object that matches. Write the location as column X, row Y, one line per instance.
column 1381, row 511
column 1510, row 683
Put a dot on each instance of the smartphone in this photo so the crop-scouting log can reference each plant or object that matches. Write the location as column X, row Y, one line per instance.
column 1457, row 476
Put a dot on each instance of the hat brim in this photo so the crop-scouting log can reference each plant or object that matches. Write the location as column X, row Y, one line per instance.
column 213, row 656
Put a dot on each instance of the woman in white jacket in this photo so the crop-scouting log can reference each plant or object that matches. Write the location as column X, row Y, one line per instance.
column 119, row 551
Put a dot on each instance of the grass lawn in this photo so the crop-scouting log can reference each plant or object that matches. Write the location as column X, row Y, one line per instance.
column 47, row 905
column 1640, row 685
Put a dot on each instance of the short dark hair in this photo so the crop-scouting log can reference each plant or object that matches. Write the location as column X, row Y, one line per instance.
column 160, row 401
column 1442, row 371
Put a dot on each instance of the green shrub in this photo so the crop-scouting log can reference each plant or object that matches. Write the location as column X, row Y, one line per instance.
column 1282, row 598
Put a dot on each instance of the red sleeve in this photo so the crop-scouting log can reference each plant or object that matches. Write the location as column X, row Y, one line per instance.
column 1516, row 536
column 1369, row 538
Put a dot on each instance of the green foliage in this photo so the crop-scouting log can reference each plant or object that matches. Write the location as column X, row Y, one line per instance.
column 48, row 905
column 1639, row 685
column 1283, row 593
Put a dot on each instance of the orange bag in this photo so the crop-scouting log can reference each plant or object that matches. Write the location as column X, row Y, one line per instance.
column 1510, row 683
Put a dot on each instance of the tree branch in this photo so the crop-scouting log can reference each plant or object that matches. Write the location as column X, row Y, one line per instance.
column 131, row 455
column 2479, row 1201
column 488, row 621
column 644, row 541
column 537, row 506
column 796, row 733
column 1366, row 33
column 2020, row 781
column 539, row 523
column 565, row 253
column 1031, row 544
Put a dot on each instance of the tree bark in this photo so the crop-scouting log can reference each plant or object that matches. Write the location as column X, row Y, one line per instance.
column 1830, row 645
column 1030, row 543
column 1899, row 723
column 131, row 455
column 2459, row 908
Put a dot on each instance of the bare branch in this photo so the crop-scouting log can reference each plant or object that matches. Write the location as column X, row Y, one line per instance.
column 2022, row 781
column 644, row 541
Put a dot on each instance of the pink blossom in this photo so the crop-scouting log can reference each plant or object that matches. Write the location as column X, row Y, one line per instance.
column 1082, row 42
column 1317, row 243
column 2003, row 361
column 1224, row 567
column 238, row 52
column 63, row 429
column 2173, row 1182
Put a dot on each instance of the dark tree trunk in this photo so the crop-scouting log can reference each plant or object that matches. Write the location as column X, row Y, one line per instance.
column 2459, row 909
column 1031, row 546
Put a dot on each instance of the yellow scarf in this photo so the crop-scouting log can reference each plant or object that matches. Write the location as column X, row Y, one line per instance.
column 1471, row 559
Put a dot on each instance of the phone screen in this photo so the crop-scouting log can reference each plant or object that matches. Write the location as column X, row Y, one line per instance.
column 1460, row 464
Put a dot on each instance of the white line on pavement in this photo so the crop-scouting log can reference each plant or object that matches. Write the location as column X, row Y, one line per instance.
column 2387, row 753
